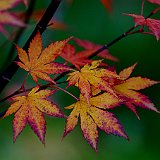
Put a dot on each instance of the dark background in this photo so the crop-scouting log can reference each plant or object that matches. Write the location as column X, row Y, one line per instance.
column 90, row 20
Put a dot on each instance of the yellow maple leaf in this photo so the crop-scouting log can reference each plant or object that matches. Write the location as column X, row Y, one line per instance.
column 127, row 88
column 94, row 116
column 31, row 109
column 91, row 75
column 40, row 63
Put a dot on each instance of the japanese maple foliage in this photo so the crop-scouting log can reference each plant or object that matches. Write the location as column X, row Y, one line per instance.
column 110, row 91
column 40, row 63
column 152, row 24
column 31, row 109
column 101, row 87
column 94, row 116
column 81, row 58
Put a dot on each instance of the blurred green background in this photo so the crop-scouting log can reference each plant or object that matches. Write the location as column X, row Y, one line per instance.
column 88, row 19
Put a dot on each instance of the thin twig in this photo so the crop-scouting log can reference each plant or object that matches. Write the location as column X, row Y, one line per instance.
column 43, row 87
column 65, row 91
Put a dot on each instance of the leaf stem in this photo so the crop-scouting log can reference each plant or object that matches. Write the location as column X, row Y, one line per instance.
column 54, row 86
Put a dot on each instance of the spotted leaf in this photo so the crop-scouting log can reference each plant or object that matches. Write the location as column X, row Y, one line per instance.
column 31, row 109
column 39, row 63
column 92, row 117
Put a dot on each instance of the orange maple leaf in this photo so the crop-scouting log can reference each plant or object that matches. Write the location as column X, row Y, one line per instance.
column 93, row 117
column 40, row 63
column 91, row 75
column 31, row 109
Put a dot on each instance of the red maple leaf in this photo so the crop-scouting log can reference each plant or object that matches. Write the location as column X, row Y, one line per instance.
column 152, row 24
column 81, row 58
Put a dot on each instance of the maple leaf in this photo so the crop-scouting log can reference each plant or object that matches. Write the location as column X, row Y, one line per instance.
column 31, row 109
column 40, row 63
column 91, row 47
column 93, row 117
column 79, row 59
column 127, row 88
column 155, row 1
column 91, row 75
column 152, row 24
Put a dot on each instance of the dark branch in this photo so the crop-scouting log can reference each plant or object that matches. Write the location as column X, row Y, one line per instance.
column 41, row 27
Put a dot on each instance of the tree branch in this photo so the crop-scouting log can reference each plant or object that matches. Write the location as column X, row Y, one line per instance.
column 6, row 76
